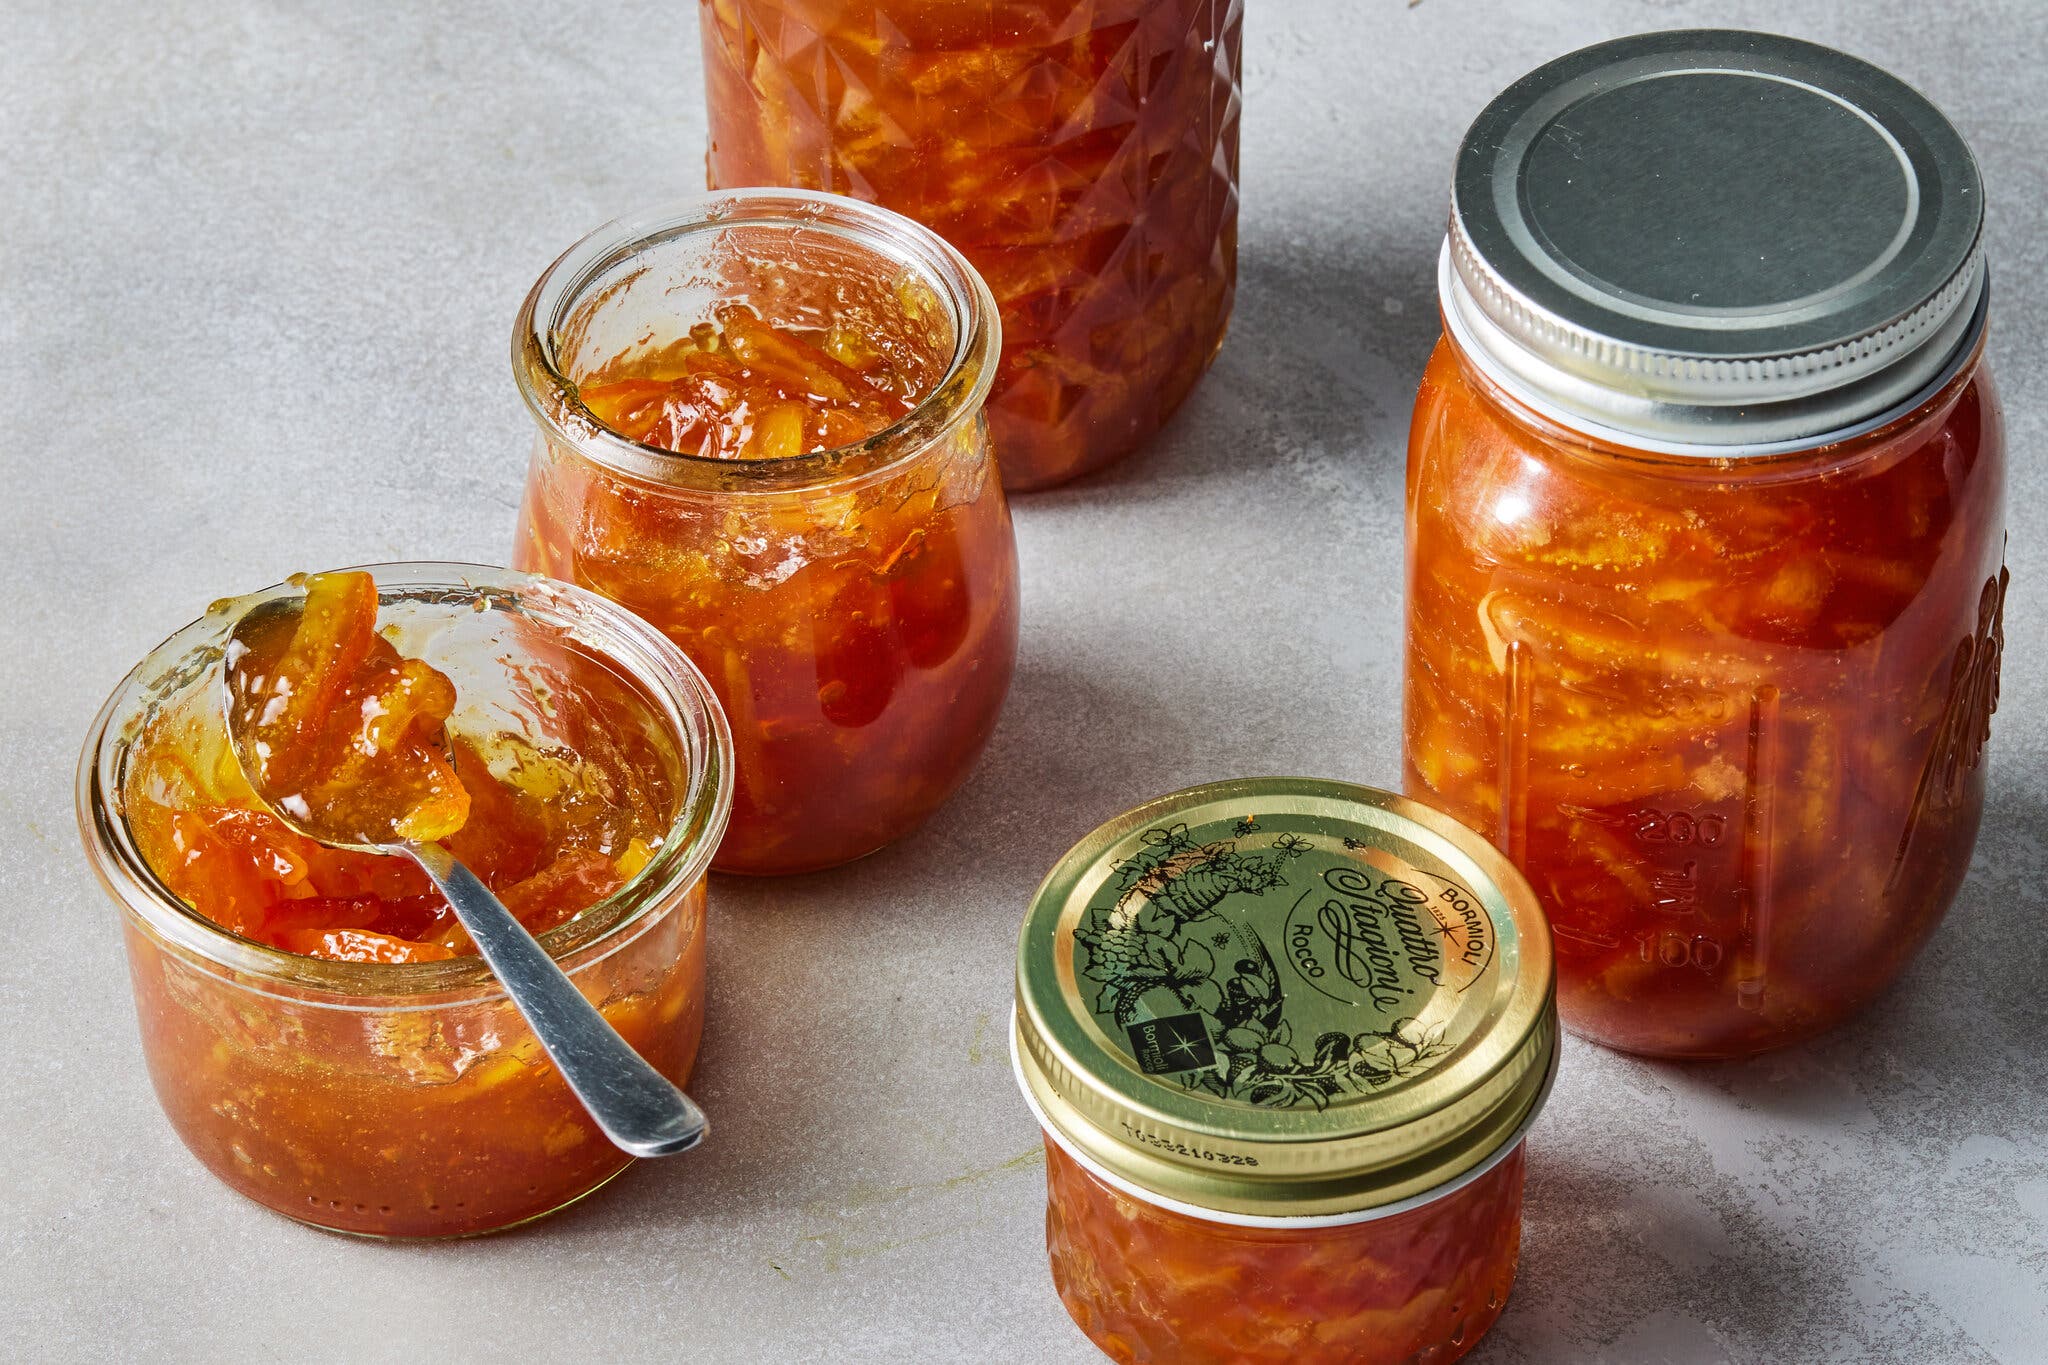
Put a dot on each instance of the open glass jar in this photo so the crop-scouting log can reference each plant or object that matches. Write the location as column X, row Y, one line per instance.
column 1285, row 1038
column 1706, row 529
column 1082, row 153
column 855, row 609
column 410, row 1099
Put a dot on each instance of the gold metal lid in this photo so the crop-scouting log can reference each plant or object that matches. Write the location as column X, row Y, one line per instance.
column 1284, row 997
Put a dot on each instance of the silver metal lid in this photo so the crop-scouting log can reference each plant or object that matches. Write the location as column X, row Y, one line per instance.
column 1715, row 242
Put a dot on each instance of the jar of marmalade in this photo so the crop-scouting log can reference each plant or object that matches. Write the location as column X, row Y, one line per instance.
column 760, row 427
column 1285, row 1038
column 400, row 1093
column 1706, row 529
column 1082, row 153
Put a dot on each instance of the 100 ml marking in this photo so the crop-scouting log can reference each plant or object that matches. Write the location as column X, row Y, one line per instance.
column 1670, row 948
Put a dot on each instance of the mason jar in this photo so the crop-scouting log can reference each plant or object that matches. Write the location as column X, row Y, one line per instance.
column 1706, row 529
column 1285, row 1039
column 1082, row 153
column 854, row 608
column 411, row 1099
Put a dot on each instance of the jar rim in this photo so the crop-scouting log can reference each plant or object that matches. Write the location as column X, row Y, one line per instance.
column 1281, row 1222
column 553, row 398
column 673, row 685
column 1482, row 345
column 1559, row 423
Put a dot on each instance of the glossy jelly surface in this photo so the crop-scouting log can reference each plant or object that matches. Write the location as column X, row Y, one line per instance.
column 337, row 728
column 1728, row 716
column 1081, row 153
column 738, row 388
column 1149, row 1284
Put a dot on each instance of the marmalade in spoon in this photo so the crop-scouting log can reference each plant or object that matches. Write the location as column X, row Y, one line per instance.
column 352, row 738
column 339, row 731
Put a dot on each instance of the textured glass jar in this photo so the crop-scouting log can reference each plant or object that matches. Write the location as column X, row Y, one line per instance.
column 1284, row 1038
column 1705, row 605
column 854, row 609
column 411, row 1099
column 1082, row 153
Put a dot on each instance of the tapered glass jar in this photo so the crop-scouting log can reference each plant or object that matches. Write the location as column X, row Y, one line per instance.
column 856, row 608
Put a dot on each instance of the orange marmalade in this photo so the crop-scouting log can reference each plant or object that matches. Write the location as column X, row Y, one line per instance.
column 1150, row 1284
column 318, row 1030
column 337, row 727
column 1284, row 1038
column 737, row 388
column 761, row 430
column 1081, row 153
column 349, row 734
column 1706, row 539
column 1728, row 720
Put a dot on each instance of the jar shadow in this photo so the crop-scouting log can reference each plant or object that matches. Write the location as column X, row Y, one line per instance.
column 1966, row 1012
column 1629, row 1256
column 856, row 1043
column 855, row 1066
column 1298, row 382
column 1808, row 1202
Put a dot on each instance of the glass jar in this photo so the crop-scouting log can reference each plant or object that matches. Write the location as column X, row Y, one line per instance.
column 1082, row 153
column 1149, row 1282
column 411, row 1099
column 854, row 609
column 1706, row 530
column 1285, row 1039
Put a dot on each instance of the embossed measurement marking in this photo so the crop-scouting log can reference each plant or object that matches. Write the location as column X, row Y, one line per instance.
column 1670, row 948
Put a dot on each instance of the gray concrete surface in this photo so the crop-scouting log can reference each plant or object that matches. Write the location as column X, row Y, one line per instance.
column 257, row 267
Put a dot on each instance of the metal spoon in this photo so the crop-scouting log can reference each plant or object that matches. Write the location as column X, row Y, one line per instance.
column 638, row 1108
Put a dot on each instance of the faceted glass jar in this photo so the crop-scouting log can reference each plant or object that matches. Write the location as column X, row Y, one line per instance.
column 855, row 609
column 1727, row 714
column 412, row 1099
column 1148, row 1282
column 1082, row 153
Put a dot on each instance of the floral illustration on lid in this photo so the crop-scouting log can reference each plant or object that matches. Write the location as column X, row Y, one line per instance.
column 1297, row 971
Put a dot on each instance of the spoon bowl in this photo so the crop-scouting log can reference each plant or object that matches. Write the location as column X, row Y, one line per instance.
column 260, row 637
column 641, row 1111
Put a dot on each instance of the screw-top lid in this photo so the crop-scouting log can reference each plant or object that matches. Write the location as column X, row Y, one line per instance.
column 1706, row 239
column 1285, row 998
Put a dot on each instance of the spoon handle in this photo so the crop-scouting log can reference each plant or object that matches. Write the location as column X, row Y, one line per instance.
column 640, row 1110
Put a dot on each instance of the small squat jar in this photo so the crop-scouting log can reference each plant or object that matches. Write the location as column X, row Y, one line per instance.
column 1706, row 530
column 855, row 608
column 410, row 1099
column 1083, row 154
column 1285, row 1039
